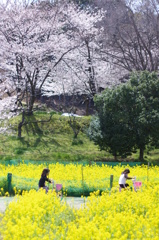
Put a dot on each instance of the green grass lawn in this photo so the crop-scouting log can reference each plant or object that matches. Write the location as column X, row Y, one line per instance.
column 49, row 141
column 54, row 141
column 50, row 147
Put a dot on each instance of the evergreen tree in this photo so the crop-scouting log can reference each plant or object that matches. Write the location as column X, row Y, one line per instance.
column 129, row 115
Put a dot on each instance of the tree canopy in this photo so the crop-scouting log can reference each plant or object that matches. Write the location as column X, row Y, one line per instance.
column 129, row 115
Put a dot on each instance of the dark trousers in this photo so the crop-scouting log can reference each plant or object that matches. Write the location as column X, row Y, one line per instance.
column 124, row 186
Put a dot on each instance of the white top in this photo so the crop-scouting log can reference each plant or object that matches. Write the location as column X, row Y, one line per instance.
column 122, row 179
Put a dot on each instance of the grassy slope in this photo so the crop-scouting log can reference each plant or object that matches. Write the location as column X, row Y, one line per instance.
column 49, row 141
column 53, row 141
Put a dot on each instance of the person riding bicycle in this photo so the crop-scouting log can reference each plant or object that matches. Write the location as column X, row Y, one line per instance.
column 44, row 177
column 123, row 178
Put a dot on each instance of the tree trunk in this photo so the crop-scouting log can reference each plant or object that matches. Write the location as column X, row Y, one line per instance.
column 20, row 130
column 87, row 107
column 115, row 157
column 90, row 70
column 20, row 125
column 31, row 104
column 141, row 157
column 75, row 135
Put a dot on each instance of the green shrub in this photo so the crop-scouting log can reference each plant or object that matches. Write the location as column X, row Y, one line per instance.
column 77, row 141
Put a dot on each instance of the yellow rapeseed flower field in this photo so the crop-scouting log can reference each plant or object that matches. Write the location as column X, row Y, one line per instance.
column 26, row 177
column 113, row 215
column 120, row 215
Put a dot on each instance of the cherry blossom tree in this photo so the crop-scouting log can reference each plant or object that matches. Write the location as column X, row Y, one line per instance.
column 36, row 38
column 33, row 43
column 78, row 70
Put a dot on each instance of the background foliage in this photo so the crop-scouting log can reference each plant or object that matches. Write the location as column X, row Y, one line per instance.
column 128, row 116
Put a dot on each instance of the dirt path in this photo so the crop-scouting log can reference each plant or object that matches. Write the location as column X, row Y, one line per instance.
column 75, row 202
column 4, row 201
